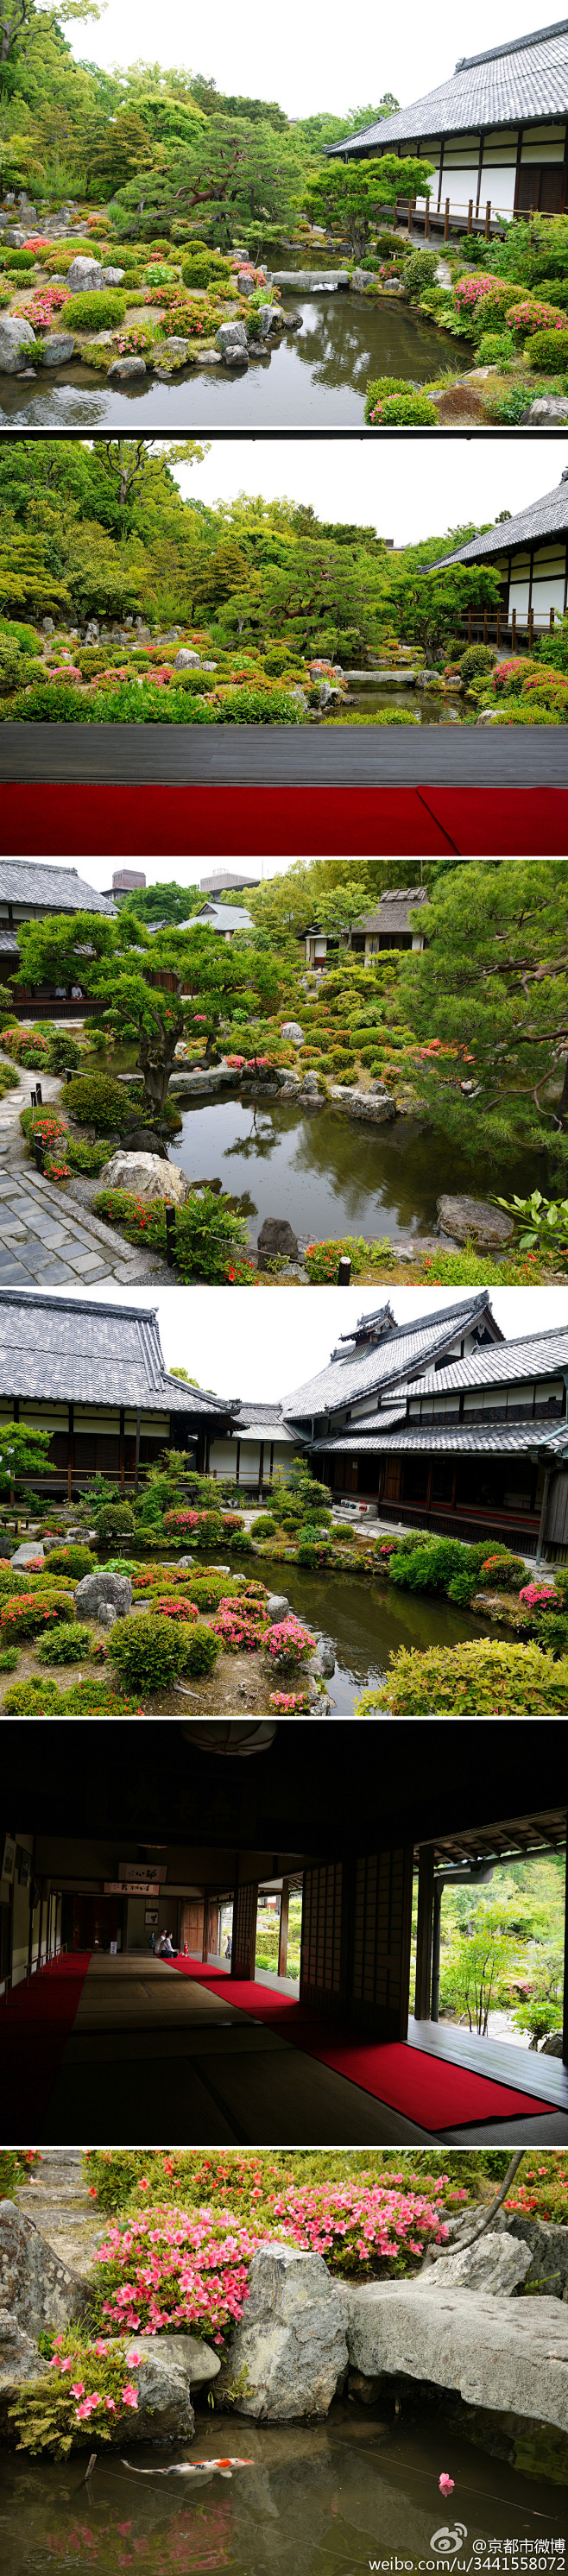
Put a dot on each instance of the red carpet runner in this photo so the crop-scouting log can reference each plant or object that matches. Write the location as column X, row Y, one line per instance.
column 35, row 2023
column 420, row 2087
column 236, row 821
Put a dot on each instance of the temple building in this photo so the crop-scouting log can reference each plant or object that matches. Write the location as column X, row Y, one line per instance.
column 497, row 132
column 530, row 554
column 436, row 1424
column 395, row 923
column 30, row 891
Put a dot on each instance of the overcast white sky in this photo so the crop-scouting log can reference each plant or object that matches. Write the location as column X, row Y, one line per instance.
column 405, row 491
column 305, row 61
column 263, row 1342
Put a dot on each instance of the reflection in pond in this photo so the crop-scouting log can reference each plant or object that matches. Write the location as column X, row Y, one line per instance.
column 330, row 1174
column 368, row 1622
column 317, row 377
column 323, row 2499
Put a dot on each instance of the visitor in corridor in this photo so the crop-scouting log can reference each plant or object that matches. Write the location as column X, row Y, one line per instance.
column 228, row 1947
column 165, row 1947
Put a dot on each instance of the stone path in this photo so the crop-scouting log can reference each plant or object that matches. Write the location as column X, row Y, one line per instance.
column 48, row 1239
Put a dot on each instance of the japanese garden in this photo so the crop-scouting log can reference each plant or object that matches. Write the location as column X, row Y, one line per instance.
column 187, row 252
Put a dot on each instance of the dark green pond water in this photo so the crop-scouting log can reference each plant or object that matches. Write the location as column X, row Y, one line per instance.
column 327, row 1173
column 330, row 2499
column 367, row 1621
column 315, row 378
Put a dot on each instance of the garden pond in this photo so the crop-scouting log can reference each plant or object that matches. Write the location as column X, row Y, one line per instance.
column 367, row 1622
column 314, row 378
column 327, row 2499
column 330, row 1174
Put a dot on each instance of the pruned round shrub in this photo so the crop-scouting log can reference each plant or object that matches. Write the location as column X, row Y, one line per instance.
column 115, row 1520
column 32, row 1612
column 265, row 1526
column 549, row 350
column 147, row 1651
column 70, row 1560
column 200, row 1651
column 170, row 1606
column 478, row 659
column 67, row 1644
column 399, row 411
column 96, row 1101
column 99, row 309
column 419, row 271
column 483, row 1676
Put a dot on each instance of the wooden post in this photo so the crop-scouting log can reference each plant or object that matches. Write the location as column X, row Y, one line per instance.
column 70, row 1449
column 531, row 624
column 423, row 1986
column 410, row 214
column 121, row 1448
column 551, row 621
column 470, row 215
column 205, row 1941
column 513, row 626
column 498, row 628
column 283, row 1932
column 485, row 626
column 447, row 220
column 137, row 1453
column 488, row 220
column 427, row 221
column 260, row 1469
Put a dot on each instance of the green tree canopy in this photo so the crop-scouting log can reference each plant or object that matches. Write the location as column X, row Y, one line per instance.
column 351, row 193
column 491, row 988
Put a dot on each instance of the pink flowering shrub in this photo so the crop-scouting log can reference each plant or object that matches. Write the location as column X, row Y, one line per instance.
column 359, row 2227
column 238, row 1628
column 530, row 316
column 40, row 312
column 540, row 1596
column 89, row 2386
column 289, row 1703
column 468, row 292
column 287, row 1642
column 176, row 2268
column 181, row 1520
column 174, row 1608
column 507, row 677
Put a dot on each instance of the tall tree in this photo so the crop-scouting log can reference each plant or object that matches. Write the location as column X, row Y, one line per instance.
column 488, row 1002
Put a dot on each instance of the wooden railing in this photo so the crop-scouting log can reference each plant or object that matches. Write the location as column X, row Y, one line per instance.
column 487, row 624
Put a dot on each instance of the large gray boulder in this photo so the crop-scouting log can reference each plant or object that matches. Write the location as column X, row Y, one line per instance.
column 124, row 368
column 474, row 1219
column 144, row 1175
column 19, row 2361
column 291, row 1029
column 277, row 1604
column 28, row 1553
column 102, row 1586
column 547, row 407
column 506, row 2354
column 163, row 2381
column 113, row 276
column 186, row 660
column 16, row 342
column 37, row 2290
column 276, row 1240
column 548, row 2247
column 84, row 275
column 498, row 2263
column 197, row 2360
column 57, row 349
column 231, row 335
column 291, row 2338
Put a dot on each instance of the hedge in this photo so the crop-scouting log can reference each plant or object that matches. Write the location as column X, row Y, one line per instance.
column 485, row 1676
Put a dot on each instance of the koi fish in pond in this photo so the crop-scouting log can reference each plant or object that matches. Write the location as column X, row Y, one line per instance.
column 190, row 2468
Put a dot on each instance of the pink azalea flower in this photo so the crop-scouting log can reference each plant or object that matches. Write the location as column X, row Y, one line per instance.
column 446, row 2484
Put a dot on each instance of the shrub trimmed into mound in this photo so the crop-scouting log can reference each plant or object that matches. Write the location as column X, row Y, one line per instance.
column 485, row 1676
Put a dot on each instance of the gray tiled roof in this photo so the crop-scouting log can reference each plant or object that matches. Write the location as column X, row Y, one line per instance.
column 512, row 84
column 352, row 1374
column 395, row 910
column 60, row 889
column 219, row 916
column 514, row 1436
column 536, row 1355
column 545, row 518
column 68, row 1350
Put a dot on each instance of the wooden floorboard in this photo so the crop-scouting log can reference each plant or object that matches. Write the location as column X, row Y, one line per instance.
column 434, row 755
column 521, row 2069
